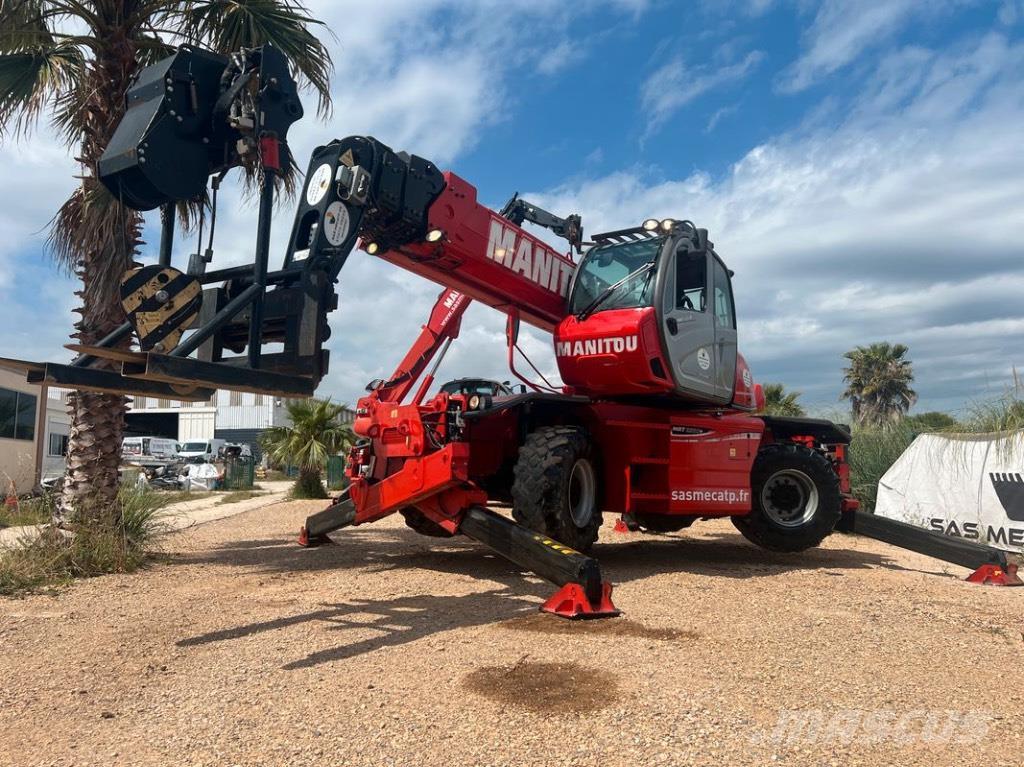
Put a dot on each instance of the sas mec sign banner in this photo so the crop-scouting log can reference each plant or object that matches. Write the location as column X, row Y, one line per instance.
column 963, row 485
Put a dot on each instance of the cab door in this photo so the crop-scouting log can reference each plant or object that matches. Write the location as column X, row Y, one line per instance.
column 724, row 317
column 687, row 323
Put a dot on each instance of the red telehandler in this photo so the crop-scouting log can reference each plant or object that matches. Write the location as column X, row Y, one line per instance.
column 656, row 418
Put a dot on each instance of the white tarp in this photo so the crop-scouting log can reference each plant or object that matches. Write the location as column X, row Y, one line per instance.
column 969, row 486
column 202, row 476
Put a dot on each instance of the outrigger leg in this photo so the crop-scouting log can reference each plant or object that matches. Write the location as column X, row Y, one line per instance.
column 582, row 592
column 991, row 565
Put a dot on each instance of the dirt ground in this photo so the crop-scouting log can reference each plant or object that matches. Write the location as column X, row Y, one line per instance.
column 393, row 649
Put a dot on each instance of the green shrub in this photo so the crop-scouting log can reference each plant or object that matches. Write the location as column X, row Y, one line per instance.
column 110, row 540
column 309, row 485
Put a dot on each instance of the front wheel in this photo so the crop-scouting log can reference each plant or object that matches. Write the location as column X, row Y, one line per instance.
column 556, row 490
column 796, row 499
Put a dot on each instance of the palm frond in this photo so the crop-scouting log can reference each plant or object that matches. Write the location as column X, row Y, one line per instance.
column 35, row 69
column 23, row 26
column 92, row 228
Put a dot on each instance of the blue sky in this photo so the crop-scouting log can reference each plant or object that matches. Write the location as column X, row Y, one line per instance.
column 859, row 165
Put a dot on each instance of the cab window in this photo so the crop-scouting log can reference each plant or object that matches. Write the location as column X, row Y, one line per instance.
column 691, row 281
column 605, row 266
column 725, row 317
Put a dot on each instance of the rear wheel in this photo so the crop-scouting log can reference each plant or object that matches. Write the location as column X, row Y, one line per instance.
column 796, row 499
column 556, row 489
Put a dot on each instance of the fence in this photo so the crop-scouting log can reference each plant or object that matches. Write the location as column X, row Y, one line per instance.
column 239, row 473
column 335, row 472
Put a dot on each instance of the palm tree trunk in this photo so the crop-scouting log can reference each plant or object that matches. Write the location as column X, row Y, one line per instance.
column 99, row 237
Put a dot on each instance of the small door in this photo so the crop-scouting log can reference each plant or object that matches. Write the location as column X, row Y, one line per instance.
column 724, row 314
column 688, row 324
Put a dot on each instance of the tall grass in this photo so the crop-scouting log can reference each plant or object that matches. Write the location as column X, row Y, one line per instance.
column 29, row 511
column 108, row 540
column 872, row 451
column 1005, row 413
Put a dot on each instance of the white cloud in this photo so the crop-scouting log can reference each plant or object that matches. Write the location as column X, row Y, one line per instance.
column 844, row 29
column 719, row 115
column 674, row 85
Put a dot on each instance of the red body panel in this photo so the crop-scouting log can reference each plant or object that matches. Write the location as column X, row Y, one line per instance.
column 615, row 352
column 489, row 259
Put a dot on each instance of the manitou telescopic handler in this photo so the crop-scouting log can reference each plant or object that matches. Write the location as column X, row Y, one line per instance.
column 656, row 421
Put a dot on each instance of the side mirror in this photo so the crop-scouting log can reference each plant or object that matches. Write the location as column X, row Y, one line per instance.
column 375, row 384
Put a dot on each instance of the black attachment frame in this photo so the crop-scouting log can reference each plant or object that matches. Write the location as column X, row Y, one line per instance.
column 570, row 228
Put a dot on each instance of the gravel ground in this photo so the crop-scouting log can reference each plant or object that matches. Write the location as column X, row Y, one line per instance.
column 392, row 649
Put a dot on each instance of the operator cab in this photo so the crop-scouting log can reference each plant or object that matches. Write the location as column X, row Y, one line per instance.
column 651, row 311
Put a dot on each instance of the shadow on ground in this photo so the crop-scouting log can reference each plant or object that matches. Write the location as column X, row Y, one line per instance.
column 379, row 550
column 407, row 618
column 391, row 622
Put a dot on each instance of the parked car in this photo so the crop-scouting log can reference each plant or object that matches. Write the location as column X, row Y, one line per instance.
column 201, row 451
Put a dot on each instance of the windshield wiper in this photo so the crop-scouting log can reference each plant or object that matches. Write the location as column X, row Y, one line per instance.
column 607, row 292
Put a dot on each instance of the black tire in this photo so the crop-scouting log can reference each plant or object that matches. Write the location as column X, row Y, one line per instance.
column 422, row 524
column 786, row 481
column 556, row 491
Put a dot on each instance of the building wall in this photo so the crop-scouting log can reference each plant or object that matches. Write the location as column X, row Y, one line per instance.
column 234, row 416
column 55, row 435
column 21, row 418
column 196, row 424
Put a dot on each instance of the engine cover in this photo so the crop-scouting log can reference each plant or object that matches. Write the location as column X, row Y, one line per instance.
column 612, row 353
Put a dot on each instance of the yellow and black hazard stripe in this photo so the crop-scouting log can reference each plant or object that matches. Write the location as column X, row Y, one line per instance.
column 160, row 303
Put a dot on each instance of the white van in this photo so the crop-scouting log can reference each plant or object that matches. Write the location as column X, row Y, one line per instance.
column 152, row 448
column 200, row 450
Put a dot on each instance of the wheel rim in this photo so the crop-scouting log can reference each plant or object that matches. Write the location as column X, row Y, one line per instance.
column 789, row 498
column 582, row 493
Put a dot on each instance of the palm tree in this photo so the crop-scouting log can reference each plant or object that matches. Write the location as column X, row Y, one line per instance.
column 316, row 434
column 74, row 60
column 778, row 401
column 878, row 383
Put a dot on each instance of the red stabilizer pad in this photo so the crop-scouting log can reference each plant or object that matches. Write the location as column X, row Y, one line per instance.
column 308, row 542
column 571, row 602
column 621, row 527
column 994, row 575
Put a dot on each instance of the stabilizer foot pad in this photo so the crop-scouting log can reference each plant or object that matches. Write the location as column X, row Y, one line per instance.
column 994, row 575
column 308, row 541
column 571, row 602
